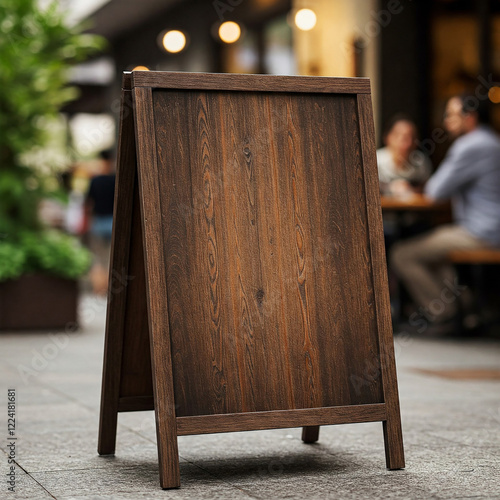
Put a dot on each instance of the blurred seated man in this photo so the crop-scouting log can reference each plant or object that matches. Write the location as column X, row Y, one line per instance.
column 469, row 176
column 402, row 168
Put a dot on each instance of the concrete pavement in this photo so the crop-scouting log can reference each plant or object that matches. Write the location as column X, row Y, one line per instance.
column 451, row 426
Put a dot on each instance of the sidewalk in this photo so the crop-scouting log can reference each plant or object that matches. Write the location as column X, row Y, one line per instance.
column 451, row 429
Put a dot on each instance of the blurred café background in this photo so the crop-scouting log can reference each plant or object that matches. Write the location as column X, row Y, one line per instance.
column 417, row 54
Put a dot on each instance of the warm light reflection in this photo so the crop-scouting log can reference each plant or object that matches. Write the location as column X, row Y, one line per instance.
column 229, row 32
column 174, row 41
column 141, row 68
column 494, row 95
column 305, row 19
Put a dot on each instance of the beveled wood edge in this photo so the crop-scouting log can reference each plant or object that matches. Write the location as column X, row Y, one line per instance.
column 280, row 419
column 152, row 237
column 156, row 289
column 393, row 437
column 377, row 248
column 243, row 82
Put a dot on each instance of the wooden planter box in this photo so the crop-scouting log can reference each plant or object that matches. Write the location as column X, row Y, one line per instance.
column 37, row 302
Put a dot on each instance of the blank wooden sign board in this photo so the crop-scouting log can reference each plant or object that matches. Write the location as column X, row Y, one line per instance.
column 248, row 231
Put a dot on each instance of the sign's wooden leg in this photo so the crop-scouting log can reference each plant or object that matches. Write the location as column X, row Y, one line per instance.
column 310, row 434
column 393, row 439
column 156, row 289
column 117, row 288
column 168, row 456
column 109, row 416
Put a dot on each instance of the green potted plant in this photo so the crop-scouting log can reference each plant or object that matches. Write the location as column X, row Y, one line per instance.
column 38, row 266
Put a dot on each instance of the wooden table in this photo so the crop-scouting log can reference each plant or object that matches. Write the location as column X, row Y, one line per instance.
column 435, row 212
column 415, row 202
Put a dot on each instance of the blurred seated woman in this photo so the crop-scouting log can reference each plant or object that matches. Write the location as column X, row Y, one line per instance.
column 402, row 168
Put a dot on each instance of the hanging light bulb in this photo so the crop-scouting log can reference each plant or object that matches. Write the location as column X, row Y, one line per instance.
column 305, row 19
column 229, row 32
column 174, row 41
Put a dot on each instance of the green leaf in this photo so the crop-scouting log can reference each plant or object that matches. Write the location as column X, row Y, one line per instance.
column 37, row 49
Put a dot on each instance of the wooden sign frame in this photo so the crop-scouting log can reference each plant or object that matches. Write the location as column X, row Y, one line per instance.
column 289, row 164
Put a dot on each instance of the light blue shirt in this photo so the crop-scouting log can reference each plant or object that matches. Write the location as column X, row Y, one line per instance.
column 470, row 176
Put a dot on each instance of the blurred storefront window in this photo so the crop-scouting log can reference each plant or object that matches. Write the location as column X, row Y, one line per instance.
column 243, row 55
column 279, row 58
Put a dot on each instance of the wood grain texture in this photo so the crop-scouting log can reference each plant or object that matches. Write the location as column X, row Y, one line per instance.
column 253, row 234
column 154, row 264
column 208, row 424
column 392, row 426
column 117, row 294
column 250, row 83
column 270, row 295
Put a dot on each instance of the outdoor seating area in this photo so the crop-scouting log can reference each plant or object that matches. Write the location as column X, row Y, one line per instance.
column 250, row 249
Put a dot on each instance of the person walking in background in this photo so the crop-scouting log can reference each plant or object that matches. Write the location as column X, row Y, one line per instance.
column 402, row 167
column 99, row 207
column 469, row 176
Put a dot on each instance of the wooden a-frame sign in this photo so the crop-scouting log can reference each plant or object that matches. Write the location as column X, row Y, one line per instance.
column 248, row 277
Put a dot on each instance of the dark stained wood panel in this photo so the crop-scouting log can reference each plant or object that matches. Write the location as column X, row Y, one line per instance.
column 268, row 268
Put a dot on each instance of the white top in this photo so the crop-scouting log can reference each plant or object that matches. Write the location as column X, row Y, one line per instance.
column 418, row 168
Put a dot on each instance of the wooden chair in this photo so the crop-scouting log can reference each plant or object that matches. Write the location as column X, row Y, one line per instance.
column 477, row 259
